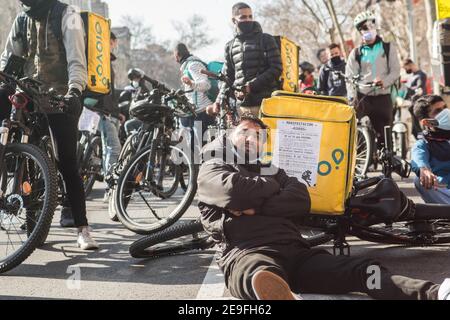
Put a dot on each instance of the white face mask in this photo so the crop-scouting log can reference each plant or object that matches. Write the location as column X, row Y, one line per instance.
column 444, row 119
column 369, row 35
column 135, row 84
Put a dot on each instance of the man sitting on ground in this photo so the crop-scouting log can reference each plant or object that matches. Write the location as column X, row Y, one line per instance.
column 253, row 215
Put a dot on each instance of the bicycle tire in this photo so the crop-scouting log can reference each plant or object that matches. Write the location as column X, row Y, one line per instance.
column 88, row 184
column 173, row 216
column 364, row 151
column 139, row 248
column 41, row 228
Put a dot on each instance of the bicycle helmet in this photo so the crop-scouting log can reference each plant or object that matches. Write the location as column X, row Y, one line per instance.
column 363, row 17
column 135, row 73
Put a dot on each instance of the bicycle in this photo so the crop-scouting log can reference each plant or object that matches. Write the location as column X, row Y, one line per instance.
column 134, row 143
column 147, row 195
column 368, row 145
column 28, row 176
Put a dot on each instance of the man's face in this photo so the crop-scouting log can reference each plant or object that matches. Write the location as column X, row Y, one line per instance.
column 335, row 52
column 249, row 138
column 176, row 56
column 436, row 108
column 243, row 15
column 408, row 68
column 323, row 57
column 114, row 44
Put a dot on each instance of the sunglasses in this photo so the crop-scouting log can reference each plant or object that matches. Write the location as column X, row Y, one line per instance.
column 367, row 26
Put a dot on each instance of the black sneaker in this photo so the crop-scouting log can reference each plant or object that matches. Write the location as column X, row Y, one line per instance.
column 67, row 220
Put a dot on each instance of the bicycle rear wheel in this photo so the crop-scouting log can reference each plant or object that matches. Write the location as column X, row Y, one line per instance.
column 91, row 165
column 140, row 206
column 364, row 151
column 176, row 239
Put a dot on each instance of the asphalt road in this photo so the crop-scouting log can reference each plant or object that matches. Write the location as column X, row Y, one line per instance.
column 110, row 273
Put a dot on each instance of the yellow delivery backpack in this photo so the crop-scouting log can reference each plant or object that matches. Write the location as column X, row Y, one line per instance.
column 290, row 52
column 313, row 138
column 98, row 32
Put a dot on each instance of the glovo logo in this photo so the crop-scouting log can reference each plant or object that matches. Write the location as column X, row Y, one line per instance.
column 289, row 56
column 325, row 168
column 100, row 55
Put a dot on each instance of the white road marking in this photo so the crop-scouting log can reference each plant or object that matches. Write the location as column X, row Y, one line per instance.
column 213, row 286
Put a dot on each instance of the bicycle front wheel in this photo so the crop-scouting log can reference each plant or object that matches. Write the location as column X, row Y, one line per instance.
column 29, row 198
column 140, row 205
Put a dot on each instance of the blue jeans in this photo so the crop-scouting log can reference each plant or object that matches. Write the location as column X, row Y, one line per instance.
column 109, row 129
column 196, row 134
column 439, row 196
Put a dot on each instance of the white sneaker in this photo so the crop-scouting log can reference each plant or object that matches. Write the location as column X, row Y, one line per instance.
column 444, row 290
column 85, row 241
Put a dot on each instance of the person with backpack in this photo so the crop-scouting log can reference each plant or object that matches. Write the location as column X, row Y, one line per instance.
column 331, row 77
column 252, row 62
column 197, row 87
column 51, row 35
column 374, row 62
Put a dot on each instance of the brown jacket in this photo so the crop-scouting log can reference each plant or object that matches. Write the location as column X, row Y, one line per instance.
column 277, row 199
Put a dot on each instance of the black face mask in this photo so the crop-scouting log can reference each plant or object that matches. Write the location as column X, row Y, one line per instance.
column 246, row 27
column 336, row 60
column 37, row 9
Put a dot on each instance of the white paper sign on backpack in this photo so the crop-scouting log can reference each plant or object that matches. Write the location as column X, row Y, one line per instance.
column 89, row 121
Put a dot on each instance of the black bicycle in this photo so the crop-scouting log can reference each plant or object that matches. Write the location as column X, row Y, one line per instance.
column 158, row 184
column 28, row 176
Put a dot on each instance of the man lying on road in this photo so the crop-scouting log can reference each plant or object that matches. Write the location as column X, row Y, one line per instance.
column 254, row 218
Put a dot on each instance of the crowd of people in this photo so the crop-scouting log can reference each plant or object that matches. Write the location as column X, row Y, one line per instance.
column 252, row 216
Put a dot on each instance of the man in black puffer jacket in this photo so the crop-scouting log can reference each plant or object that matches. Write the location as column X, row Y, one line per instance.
column 252, row 63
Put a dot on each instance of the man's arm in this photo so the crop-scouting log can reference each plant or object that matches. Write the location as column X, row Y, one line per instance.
column 75, row 44
column 394, row 66
column 200, row 82
column 228, row 70
column 351, row 70
column 293, row 199
column 219, row 185
column 273, row 73
column 322, row 85
column 13, row 45
column 420, row 156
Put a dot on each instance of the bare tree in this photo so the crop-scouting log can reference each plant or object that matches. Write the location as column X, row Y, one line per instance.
column 154, row 58
column 141, row 34
column 307, row 22
column 194, row 33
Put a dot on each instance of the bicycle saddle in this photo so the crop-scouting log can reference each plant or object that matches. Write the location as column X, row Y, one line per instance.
column 149, row 112
column 384, row 201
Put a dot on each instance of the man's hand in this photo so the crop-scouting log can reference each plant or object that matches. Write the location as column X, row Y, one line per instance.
column 240, row 95
column 73, row 99
column 248, row 212
column 186, row 80
column 378, row 83
column 122, row 118
column 213, row 109
column 427, row 178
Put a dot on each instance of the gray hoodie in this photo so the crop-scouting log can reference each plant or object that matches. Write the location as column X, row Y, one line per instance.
column 74, row 42
column 374, row 64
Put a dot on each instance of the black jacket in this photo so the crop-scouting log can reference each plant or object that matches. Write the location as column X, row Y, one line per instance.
column 247, row 63
column 108, row 104
column 279, row 201
column 331, row 82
